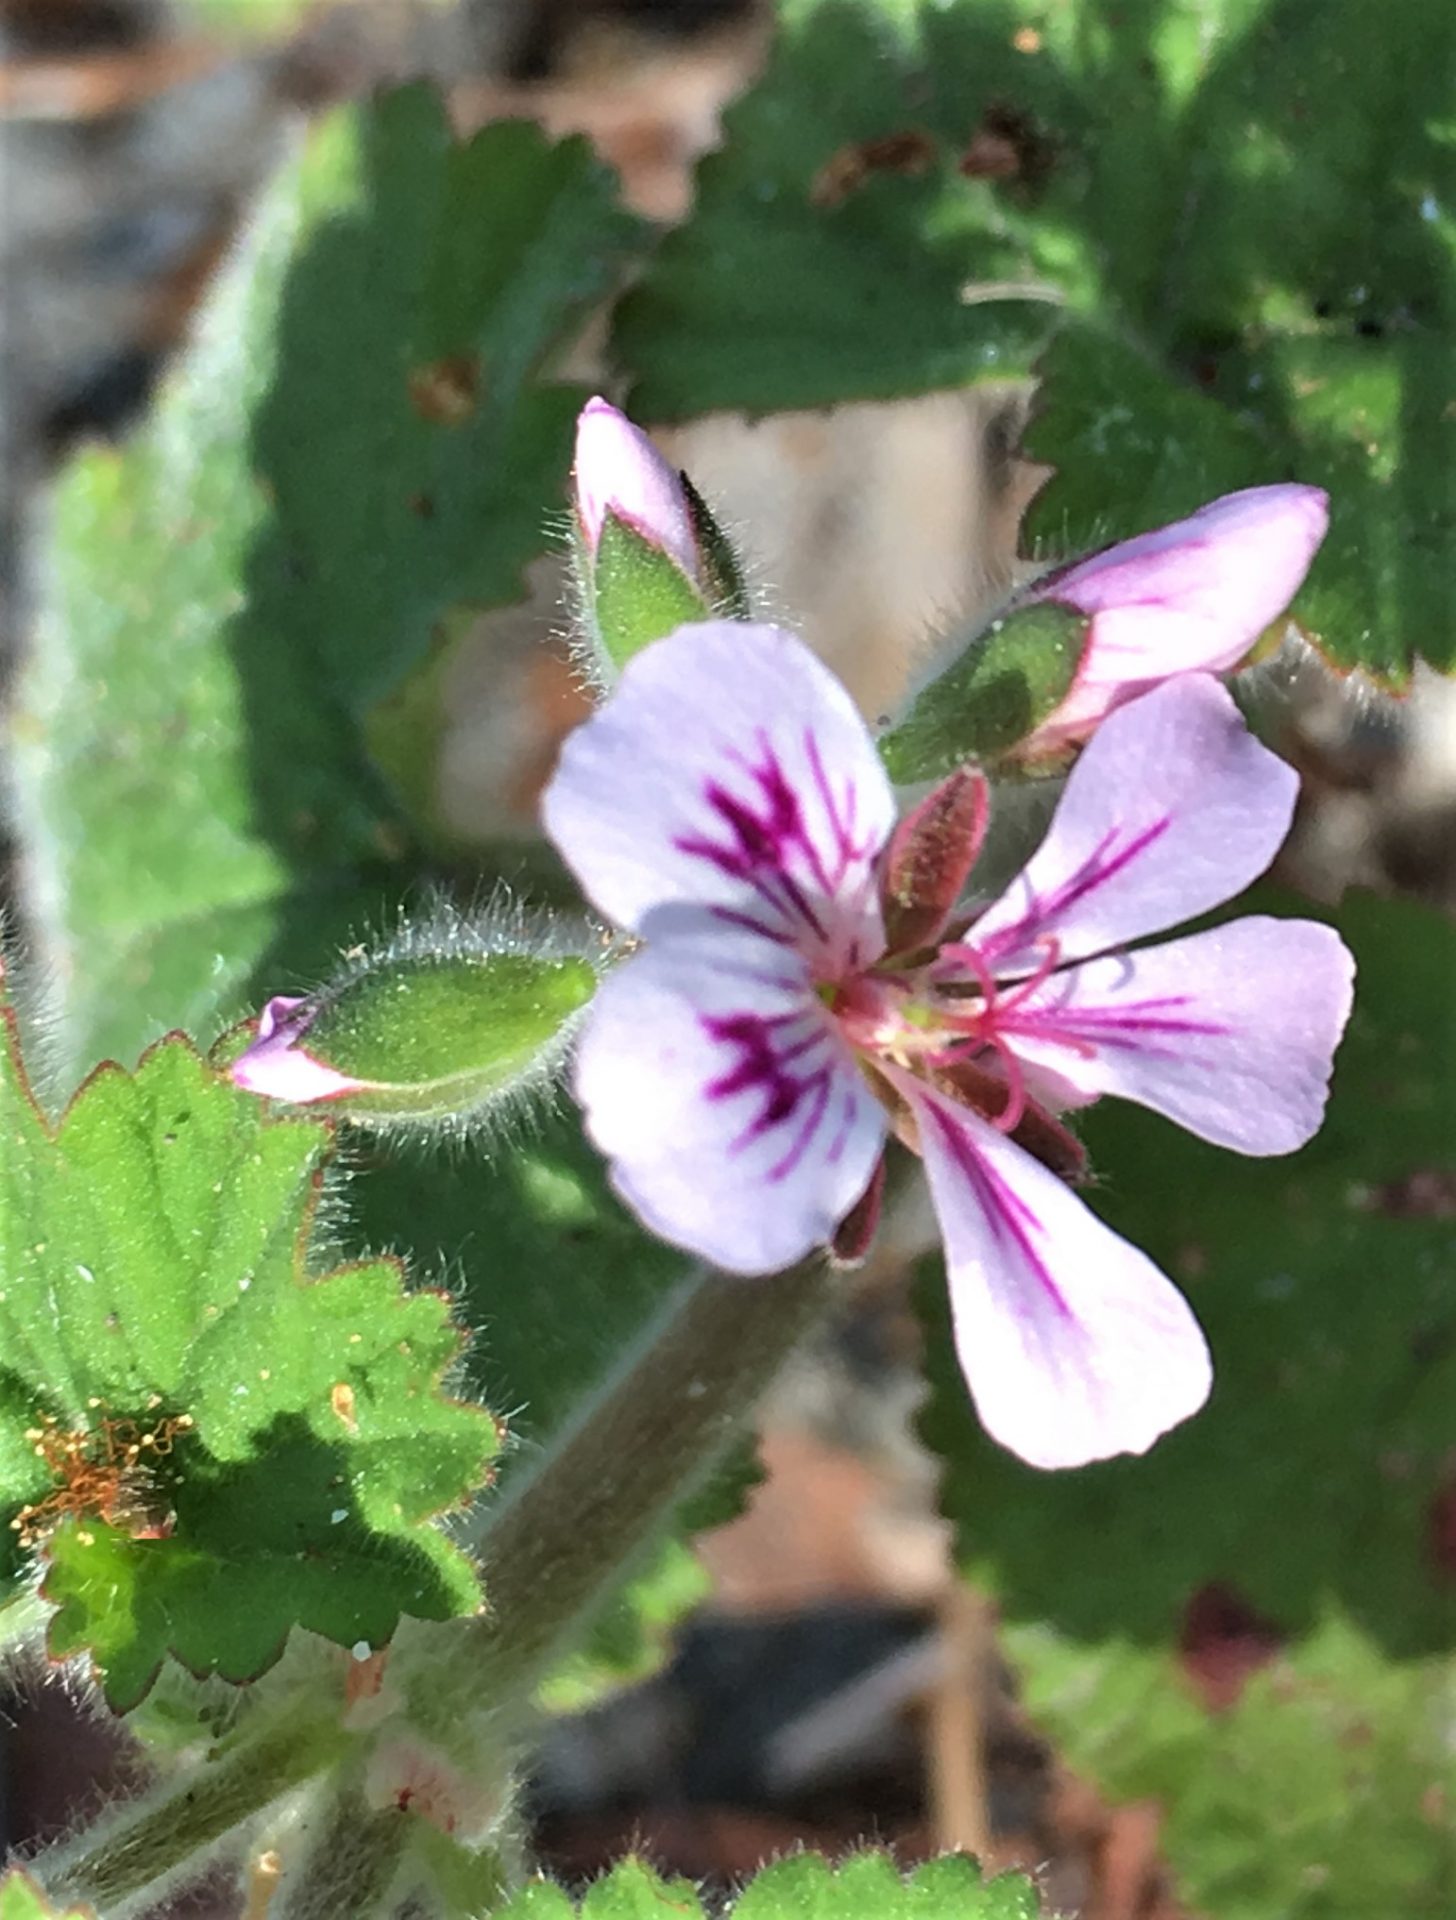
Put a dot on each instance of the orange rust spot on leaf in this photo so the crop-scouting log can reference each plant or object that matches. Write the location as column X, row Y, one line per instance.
column 341, row 1399
column 104, row 1474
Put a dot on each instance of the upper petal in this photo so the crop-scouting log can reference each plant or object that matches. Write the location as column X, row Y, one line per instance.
column 1232, row 567
column 1074, row 1346
column 1231, row 1032
column 1173, row 808
column 731, row 770
column 734, row 1117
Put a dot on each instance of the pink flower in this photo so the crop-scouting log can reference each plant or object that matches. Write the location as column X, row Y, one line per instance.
column 742, row 1073
column 619, row 471
column 1189, row 598
column 276, row 1064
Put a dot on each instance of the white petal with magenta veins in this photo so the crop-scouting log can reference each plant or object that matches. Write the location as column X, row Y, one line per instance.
column 1073, row 1344
column 734, row 1117
column 1173, row 808
column 730, row 770
column 1231, row 1032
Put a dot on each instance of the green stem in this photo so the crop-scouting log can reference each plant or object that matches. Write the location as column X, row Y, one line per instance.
column 152, row 1841
column 350, row 1863
column 561, row 1540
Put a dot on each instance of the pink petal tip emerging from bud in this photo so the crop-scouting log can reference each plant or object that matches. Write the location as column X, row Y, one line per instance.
column 1192, row 597
column 277, row 1067
column 619, row 469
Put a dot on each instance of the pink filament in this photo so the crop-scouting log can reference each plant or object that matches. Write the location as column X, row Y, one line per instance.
column 982, row 1027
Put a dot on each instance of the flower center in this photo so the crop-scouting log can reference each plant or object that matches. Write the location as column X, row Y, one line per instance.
column 947, row 1022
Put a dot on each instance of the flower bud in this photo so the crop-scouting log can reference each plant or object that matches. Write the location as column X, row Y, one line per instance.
column 651, row 556
column 1192, row 597
column 619, row 472
column 418, row 1036
column 930, row 857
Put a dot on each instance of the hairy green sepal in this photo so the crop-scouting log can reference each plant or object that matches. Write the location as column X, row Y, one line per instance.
column 991, row 697
column 438, row 1036
column 638, row 593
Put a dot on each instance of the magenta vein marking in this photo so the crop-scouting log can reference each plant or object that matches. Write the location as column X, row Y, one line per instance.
column 1007, row 1214
column 734, row 917
column 764, row 1067
column 1100, row 866
column 818, row 1088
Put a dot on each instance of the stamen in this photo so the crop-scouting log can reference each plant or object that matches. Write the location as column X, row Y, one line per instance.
column 1045, row 968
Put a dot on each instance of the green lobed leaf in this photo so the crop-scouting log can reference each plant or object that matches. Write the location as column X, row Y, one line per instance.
column 22, row 1899
column 838, row 249
column 1315, row 1489
column 866, row 1886
column 210, row 1442
column 364, row 439
column 1272, row 192
column 1244, row 210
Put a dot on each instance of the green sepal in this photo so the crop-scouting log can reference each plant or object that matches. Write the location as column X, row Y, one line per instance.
column 721, row 566
column 638, row 593
column 435, row 1036
column 991, row 697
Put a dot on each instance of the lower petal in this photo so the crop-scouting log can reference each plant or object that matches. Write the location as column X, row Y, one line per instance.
column 1074, row 1346
column 734, row 1117
column 1231, row 1033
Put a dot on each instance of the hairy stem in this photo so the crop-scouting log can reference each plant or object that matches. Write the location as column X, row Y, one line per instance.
column 561, row 1540
column 147, row 1844
column 348, row 1865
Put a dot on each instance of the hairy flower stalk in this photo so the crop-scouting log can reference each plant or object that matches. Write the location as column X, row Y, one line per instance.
column 811, row 985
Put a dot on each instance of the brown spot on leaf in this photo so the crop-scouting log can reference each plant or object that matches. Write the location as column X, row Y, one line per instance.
column 1441, row 1532
column 341, row 1399
column 1223, row 1644
column 1427, row 1194
column 445, row 392
column 910, row 152
column 990, row 156
column 1008, row 145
